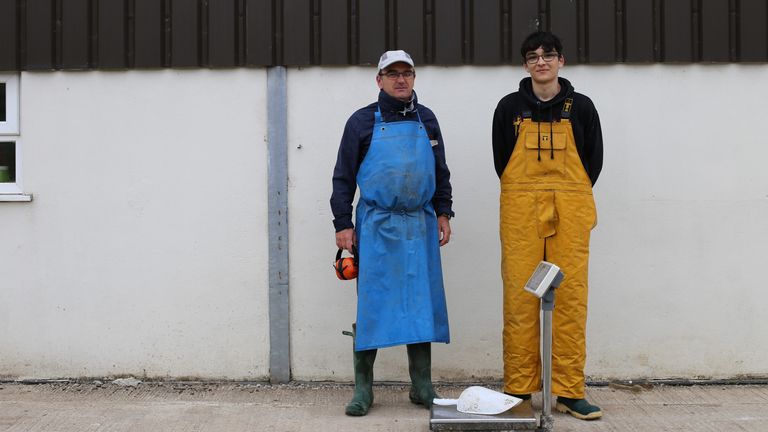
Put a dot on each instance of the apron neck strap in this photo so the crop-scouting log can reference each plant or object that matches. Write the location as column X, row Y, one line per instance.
column 379, row 119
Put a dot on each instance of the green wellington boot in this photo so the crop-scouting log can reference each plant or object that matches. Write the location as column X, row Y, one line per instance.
column 579, row 408
column 363, row 396
column 420, row 369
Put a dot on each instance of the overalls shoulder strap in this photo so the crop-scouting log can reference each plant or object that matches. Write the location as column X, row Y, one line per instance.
column 564, row 113
column 567, row 107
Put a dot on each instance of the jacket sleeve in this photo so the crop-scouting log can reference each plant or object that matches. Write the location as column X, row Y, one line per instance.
column 593, row 145
column 345, row 176
column 442, row 201
column 500, row 134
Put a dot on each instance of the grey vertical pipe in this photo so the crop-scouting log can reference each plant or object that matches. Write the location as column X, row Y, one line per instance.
column 277, row 201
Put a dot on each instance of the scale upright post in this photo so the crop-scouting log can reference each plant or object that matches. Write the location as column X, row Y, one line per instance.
column 542, row 284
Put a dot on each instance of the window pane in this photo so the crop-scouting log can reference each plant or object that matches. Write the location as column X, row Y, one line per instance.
column 2, row 102
column 7, row 162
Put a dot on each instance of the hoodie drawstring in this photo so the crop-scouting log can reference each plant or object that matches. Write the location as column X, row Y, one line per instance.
column 551, row 134
column 551, row 138
column 538, row 134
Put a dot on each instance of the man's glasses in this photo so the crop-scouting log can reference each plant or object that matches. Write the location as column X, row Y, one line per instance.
column 395, row 75
column 533, row 58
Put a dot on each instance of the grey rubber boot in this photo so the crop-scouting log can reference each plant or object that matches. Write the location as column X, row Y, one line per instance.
column 420, row 369
column 363, row 396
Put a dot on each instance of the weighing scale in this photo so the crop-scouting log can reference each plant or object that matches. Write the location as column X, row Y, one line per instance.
column 542, row 284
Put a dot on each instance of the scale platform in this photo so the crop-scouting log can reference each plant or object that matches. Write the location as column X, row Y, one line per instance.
column 447, row 418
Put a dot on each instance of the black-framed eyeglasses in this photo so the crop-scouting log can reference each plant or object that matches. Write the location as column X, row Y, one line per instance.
column 549, row 57
column 395, row 75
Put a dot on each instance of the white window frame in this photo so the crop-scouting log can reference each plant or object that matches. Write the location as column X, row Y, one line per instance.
column 10, row 131
column 11, row 124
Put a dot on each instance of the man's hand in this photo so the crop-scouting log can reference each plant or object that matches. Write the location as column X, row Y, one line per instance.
column 346, row 238
column 443, row 229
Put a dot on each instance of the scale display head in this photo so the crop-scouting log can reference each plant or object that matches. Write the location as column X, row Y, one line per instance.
column 545, row 276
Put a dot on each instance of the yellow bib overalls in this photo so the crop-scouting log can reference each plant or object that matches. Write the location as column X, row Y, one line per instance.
column 547, row 212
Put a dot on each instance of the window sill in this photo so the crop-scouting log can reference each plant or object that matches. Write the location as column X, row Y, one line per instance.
column 15, row 197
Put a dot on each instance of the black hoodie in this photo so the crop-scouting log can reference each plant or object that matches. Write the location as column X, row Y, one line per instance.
column 583, row 117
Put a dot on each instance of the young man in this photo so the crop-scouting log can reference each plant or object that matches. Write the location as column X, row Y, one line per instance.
column 548, row 152
column 393, row 150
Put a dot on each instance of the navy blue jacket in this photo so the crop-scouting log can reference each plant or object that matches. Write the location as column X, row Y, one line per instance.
column 356, row 141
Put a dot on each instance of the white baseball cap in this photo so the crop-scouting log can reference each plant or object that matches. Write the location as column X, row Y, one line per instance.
column 481, row 400
column 390, row 57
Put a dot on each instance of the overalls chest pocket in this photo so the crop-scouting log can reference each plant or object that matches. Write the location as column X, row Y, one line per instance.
column 545, row 153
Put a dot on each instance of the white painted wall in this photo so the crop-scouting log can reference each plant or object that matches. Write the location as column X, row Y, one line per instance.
column 676, row 289
column 127, row 261
column 144, row 250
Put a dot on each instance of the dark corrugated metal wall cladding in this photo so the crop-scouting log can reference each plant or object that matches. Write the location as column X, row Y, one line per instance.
column 119, row 34
column 9, row 43
column 752, row 33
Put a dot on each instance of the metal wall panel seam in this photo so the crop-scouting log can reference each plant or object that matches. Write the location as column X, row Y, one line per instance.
column 277, row 26
column 506, row 32
column 428, row 31
column 390, row 25
column 167, row 34
column 93, row 34
column 658, row 30
column 240, row 33
column 734, row 51
column 315, row 53
column 468, row 32
column 204, row 42
column 57, row 35
column 277, row 202
column 697, row 48
column 582, row 32
column 130, row 33
column 621, row 31
column 21, row 34
column 353, row 41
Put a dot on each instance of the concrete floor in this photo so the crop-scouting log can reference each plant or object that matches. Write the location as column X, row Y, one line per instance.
column 199, row 407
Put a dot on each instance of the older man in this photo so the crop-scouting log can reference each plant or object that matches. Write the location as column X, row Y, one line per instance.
column 393, row 151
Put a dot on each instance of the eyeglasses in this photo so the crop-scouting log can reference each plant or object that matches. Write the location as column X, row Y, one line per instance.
column 533, row 58
column 395, row 75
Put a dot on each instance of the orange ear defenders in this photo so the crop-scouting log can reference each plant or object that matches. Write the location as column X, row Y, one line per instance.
column 346, row 268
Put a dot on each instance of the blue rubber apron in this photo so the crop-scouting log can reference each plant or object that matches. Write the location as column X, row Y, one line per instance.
column 400, row 283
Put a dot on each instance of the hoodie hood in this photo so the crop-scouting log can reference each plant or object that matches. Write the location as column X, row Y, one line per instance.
column 545, row 111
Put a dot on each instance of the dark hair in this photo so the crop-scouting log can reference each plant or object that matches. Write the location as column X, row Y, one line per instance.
column 546, row 40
